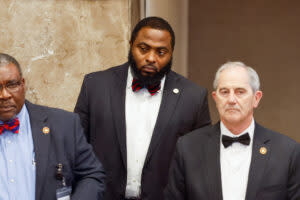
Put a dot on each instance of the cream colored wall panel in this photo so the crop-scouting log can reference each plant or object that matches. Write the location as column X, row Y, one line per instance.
column 58, row 41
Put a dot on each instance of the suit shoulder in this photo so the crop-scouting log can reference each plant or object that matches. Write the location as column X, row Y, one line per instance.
column 281, row 140
column 186, row 83
column 107, row 72
column 195, row 141
column 55, row 112
column 198, row 135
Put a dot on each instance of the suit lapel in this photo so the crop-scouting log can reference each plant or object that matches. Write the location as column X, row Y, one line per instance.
column 167, row 107
column 212, row 171
column 258, row 161
column 41, row 142
column 118, row 94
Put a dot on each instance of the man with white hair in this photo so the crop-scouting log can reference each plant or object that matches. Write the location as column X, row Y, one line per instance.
column 237, row 158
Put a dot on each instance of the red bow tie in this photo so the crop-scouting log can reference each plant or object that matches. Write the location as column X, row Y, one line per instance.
column 137, row 85
column 12, row 125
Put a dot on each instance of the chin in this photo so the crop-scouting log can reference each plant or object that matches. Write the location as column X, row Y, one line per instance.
column 233, row 119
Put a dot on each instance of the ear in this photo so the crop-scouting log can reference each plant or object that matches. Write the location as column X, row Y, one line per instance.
column 214, row 94
column 131, row 42
column 258, row 95
column 23, row 83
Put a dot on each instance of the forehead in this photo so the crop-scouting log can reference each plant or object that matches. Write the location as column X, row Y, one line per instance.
column 153, row 37
column 235, row 77
column 9, row 72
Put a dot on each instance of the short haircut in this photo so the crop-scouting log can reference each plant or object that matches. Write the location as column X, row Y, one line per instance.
column 253, row 76
column 155, row 23
column 6, row 59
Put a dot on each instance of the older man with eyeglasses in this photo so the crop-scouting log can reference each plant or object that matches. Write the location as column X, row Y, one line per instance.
column 43, row 151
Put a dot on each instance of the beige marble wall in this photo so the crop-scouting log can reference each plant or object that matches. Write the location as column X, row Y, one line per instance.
column 58, row 41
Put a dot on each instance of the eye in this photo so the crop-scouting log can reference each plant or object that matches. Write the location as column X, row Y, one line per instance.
column 224, row 92
column 240, row 91
column 143, row 48
column 12, row 85
column 162, row 52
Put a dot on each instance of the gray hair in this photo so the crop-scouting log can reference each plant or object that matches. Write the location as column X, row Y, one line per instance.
column 6, row 59
column 253, row 76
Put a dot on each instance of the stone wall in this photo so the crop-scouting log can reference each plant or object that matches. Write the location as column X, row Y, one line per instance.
column 58, row 41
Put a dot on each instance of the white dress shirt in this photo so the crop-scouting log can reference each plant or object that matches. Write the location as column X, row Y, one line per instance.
column 235, row 163
column 141, row 110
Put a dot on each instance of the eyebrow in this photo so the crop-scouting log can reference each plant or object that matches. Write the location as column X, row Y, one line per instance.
column 159, row 48
column 163, row 48
column 12, row 81
column 143, row 43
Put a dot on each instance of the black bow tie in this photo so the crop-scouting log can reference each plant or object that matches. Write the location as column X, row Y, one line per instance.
column 243, row 139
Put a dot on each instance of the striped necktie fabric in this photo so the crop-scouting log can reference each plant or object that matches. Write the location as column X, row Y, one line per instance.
column 137, row 85
column 12, row 125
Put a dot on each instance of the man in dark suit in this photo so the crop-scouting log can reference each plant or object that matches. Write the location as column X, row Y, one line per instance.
column 237, row 158
column 44, row 153
column 133, row 114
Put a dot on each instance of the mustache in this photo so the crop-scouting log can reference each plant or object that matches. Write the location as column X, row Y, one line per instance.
column 6, row 103
column 232, row 108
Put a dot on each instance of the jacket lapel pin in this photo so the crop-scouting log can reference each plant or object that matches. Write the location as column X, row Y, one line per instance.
column 175, row 91
column 46, row 130
column 263, row 150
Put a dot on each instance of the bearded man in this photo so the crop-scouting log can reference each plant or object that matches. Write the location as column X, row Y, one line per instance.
column 134, row 113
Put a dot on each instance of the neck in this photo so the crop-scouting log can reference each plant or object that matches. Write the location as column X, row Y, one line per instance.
column 237, row 128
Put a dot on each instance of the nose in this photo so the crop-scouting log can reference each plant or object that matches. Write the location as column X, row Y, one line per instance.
column 4, row 94
column 232, row 98
column 150, row 57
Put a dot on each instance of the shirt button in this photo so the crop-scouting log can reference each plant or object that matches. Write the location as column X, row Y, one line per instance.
column 12, row 180
column 10, row 161
column 8, row 141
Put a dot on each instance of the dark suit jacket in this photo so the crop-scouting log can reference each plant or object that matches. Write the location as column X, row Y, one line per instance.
column 101, row 106
column 66, row 144
column 195, row 171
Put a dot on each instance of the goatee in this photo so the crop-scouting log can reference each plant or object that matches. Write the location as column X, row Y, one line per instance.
column 148, row 80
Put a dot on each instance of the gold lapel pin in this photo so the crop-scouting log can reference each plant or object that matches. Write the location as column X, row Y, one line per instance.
column 46, row 130
column 263, row 150
column 175, row 90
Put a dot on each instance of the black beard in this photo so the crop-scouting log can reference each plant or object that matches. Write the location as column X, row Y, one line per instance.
column 148, row 80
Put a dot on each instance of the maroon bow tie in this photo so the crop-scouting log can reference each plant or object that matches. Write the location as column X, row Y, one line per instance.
column 137, row 85
column 12, row 125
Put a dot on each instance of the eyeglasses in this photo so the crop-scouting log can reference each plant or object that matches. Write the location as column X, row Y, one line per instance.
column 11, row 86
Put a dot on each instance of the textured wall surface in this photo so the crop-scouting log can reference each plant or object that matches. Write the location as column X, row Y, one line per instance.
column 58, row 41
